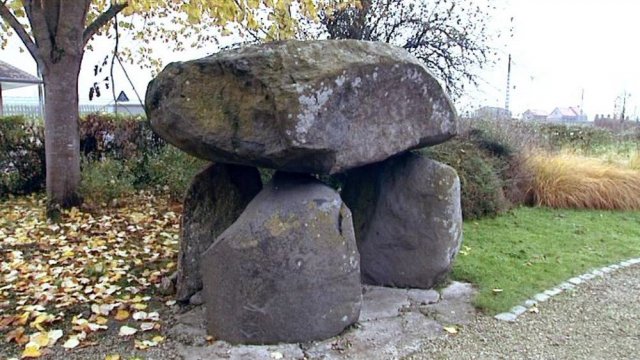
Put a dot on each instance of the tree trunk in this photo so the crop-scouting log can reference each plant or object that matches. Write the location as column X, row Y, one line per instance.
column 62, row 141
column 1, row 105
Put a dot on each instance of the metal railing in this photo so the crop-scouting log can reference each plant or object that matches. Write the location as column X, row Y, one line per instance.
column 34, row 111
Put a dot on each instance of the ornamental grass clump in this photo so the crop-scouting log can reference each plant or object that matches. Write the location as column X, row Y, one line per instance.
column 634, row 162
column 572, row 181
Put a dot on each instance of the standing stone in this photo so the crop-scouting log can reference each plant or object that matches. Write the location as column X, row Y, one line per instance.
column 303, row 106
column 217, row 196
column 287, row 270
column 407, row 219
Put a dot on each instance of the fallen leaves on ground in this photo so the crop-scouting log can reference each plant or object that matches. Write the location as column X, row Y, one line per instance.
column 93, row 270
column 452, row 329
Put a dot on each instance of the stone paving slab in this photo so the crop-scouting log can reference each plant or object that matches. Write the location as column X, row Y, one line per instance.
column 393, row 324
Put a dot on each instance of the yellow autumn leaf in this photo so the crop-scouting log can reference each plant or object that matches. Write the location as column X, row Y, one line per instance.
column 112, row 357
column 127, row 330
column 22, row 319
column 40, row 338
column 158, row 339
column 101, row 320
column 39, row 320
column 32, row 350
column 450, row 329
column 139, row 306
column 147, row 326
column 122, row 314
column 54, row 336
column 71, row 343
column 140, row 345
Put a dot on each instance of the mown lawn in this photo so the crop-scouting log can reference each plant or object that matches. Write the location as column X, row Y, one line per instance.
column 532, row 249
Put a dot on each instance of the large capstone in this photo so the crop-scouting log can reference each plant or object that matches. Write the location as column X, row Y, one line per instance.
column 407, row 219
column 313, row 106
column 216, row 198
column 287, row 270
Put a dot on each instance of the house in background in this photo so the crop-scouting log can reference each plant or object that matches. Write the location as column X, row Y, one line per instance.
column 12, row 78
column 493, row 113
column 535, row 115
column 567, row 115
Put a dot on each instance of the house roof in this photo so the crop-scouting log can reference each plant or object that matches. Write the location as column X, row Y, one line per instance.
column 537, row 112
column 568, row 111
column 11, row 77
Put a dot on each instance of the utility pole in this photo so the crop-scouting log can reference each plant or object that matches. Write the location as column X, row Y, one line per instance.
column 624, row 104
column 582, row 105
column 507, row 100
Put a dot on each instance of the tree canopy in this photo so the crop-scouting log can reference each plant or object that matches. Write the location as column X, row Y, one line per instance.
column 57, row 32
column 450, row 37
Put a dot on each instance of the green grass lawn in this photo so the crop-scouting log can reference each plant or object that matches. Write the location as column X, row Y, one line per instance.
column 529, row 250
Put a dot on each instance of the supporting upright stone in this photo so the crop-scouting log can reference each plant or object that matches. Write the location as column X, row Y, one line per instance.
column 217, row 196
column 287, row 270
column 407, row 219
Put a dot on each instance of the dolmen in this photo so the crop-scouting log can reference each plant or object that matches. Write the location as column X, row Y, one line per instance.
column 284, row 261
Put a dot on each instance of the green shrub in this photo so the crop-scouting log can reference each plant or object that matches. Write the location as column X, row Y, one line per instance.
column 105, row 180
column 170, row 170
column 122, row 137
column 504, row 137
column 481, row 186
column 22, row 158
column 577, row 137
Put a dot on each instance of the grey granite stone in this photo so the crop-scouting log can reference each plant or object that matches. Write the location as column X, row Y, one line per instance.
column 576, row 280
column 540, row 297
column 553, row 292
column 518, row 310
column 382, row 302
column 457, row 291
column 566, row 286
column 506, row 316
column 597, row 273
column 423, row 297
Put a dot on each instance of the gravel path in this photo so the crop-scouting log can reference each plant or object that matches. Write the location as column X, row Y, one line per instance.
column 599, row 320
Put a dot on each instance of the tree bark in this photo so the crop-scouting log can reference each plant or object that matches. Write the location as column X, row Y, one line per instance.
column 62, row 140
column 1, row 105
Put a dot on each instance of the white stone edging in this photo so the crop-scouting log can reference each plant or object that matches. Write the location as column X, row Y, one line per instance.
column 570, row 284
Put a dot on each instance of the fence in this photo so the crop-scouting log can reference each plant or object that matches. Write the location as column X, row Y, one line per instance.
column 34, row 111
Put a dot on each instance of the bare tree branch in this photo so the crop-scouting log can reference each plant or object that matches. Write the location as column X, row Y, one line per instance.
column 449, row 37
column 28, row 42
column 39, row 28
column 101, row 21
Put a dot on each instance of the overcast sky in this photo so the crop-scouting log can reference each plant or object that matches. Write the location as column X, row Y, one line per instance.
column 560, row 48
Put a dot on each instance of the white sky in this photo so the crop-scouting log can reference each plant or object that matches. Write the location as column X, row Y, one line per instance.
column 559, row 48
